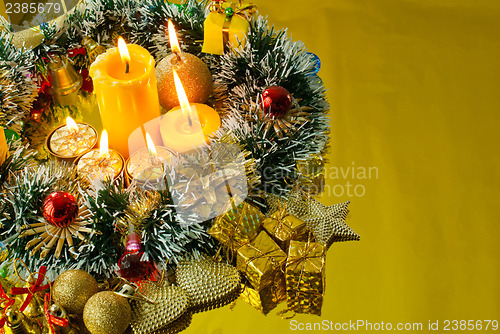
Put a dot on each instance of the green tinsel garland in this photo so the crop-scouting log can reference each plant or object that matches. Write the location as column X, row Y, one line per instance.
column 240, row 76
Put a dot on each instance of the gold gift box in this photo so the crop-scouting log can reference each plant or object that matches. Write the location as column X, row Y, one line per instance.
column 260, row 260
column 238, row 226
column 305, row 277
column 284, row 227
column 268, row 298
column 221, row 30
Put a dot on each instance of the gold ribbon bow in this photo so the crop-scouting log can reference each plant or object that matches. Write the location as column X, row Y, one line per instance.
column 245, row 11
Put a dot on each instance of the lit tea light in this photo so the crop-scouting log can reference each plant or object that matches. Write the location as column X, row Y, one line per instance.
column 146, row 166
column 71, row 140
column 125, row 87
column 101, row 163
column 194, row 72
column 188, row 126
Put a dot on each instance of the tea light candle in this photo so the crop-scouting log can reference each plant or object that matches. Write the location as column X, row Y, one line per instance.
column 147, row 165
column 102, row 162
column 71, row 140
column 188, row 126
column 125, row 86
column 194, row 72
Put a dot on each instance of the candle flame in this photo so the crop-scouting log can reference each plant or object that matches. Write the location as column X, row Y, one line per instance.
column 71, row 124
column 103, row 145
column 151, row 145
column 174, row 42
column 123, row 49
column 183, row 100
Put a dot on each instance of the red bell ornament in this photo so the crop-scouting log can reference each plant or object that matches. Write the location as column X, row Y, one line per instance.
column 131, row 265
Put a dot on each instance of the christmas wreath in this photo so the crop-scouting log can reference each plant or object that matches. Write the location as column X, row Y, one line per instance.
column 109, row 255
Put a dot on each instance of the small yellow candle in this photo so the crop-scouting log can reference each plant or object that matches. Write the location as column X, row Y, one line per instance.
column 102, row 162
column 126, row 90
column 188, row 126
column 71, row 140
column 194, row 72
column 4, row 149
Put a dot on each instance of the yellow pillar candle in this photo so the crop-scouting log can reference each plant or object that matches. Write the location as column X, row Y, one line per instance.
column 4, row 149
column 125, row 86
column 188, row 126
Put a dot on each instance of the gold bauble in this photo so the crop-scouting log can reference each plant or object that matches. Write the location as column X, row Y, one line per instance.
column 194, row 74
column 72, row 289
column 107, row 313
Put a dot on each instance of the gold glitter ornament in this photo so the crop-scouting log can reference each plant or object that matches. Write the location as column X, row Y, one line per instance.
column 326, row 222
column 171, row 304
column 72, row 289
column 208, row 284
column 107, row 313
column 195, row 76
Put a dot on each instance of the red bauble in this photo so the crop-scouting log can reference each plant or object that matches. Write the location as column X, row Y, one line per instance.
column 131, row 265
column 88, row 84
column 42, row 102
column 60, row 209
column 276, row 101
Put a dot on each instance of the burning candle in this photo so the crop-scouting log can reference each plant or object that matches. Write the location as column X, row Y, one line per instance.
column 194, row 72
column 71, row 140
column 146, row 165
column 188, row 126
column 102, row 162
column 125, row 86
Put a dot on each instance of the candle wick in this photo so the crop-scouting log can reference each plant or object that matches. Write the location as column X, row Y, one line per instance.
column 190, row 121
column 178, row 55
column 127, row 67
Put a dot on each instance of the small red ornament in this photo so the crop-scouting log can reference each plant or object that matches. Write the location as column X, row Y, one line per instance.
column 88, row 84
column 131, row 265
column 42, row 102
column 276, row 101
column 60, row 209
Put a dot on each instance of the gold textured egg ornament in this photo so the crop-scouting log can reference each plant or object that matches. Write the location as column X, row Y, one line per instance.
column 107, row 313
column 72, row 289
column 194, row 74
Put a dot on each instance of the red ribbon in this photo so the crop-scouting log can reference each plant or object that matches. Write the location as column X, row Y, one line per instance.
column 10, row 302
column 52, row 319
column 78, row 51
column 36, row 287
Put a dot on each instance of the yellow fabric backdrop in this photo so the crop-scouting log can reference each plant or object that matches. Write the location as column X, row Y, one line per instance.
column 415, row 92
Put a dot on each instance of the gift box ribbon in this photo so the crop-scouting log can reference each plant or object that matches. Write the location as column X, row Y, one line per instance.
column 301, row 256
column 230, row 11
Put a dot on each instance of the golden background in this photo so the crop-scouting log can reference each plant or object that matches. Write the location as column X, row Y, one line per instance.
column 414, row 88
